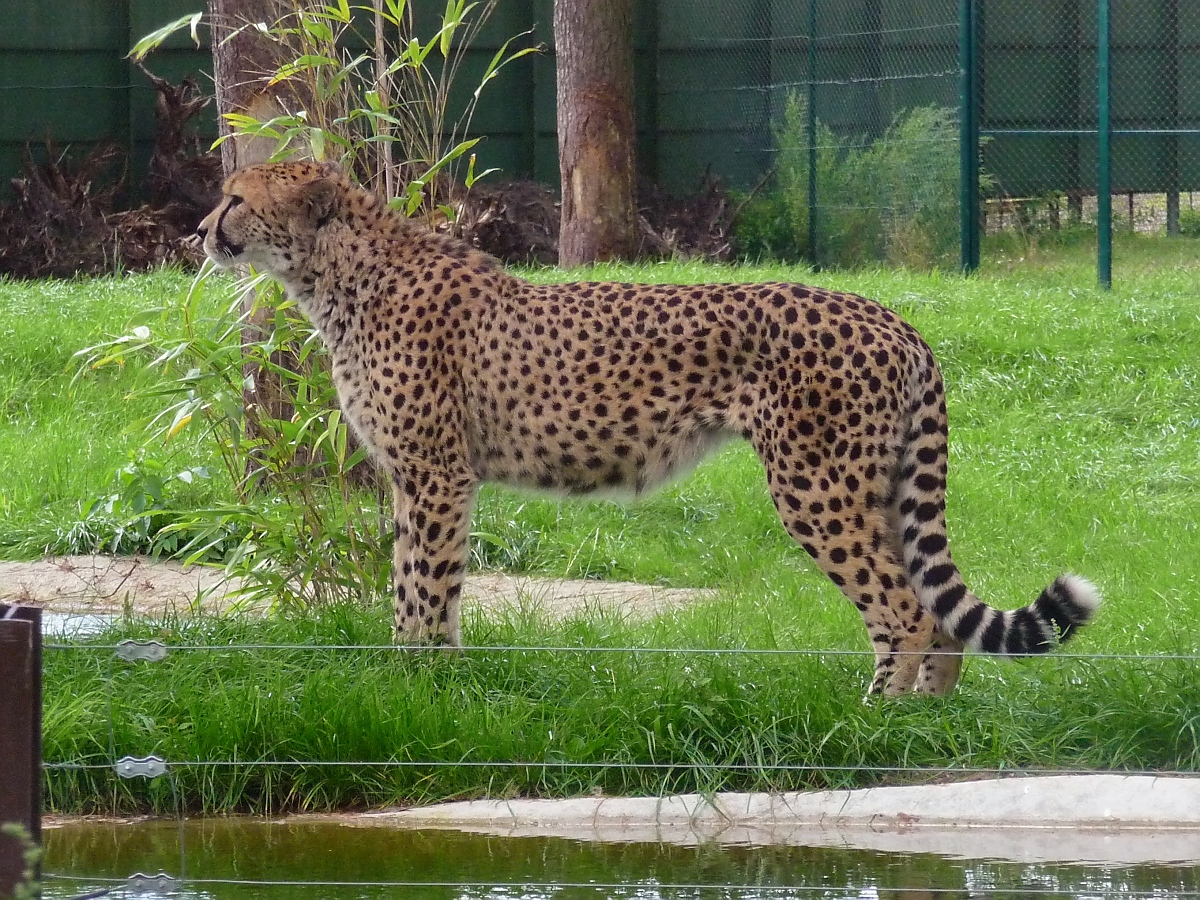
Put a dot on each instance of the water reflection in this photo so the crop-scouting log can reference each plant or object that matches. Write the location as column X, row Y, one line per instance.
column 59, row 626
column 248, row 859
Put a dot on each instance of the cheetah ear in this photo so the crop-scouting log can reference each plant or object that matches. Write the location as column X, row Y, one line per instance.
column 320, row 200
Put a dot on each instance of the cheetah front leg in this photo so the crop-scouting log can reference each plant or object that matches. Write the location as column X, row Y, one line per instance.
column 433, row 517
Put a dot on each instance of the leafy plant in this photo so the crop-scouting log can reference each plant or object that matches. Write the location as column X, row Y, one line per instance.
column 1189, row 222
column 356, row 98
column 136, row 513
column 762, row 228
column 894, row 198
column 318, row 535
column 31, row 853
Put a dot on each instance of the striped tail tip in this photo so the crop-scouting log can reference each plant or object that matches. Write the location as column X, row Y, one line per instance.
column 1066, row 605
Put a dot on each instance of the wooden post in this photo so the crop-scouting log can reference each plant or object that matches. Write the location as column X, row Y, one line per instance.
column 20, row 736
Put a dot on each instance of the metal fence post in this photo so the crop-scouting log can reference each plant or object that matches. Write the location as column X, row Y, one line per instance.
column 20, row 736
column 1104, row 146
column 1171, row 78
column 811, row 125
column 968, row 91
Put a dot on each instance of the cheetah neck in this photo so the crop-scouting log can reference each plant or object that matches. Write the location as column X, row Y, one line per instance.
column 365, row 243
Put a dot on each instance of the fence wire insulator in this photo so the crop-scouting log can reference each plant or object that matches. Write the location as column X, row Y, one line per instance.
column 150, row 651
column 162, row 883
column 141, row 767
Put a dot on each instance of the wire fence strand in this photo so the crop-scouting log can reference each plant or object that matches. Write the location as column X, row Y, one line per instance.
column 670, row 651
column 633, row 885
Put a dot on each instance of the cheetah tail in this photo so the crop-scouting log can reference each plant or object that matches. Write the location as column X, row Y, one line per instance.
column 919, row 514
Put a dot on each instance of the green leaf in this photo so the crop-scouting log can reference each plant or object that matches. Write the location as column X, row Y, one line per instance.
column 317, row 29
column 471, row 177
column 452, row 154
column 154, row 39
column 375, row 101
column 396, row 10
column 316, row 140
column 341, row 12
column 415, row 192
column 499, row 61
column 341, row 74
column 301, row 64
column 449, row 24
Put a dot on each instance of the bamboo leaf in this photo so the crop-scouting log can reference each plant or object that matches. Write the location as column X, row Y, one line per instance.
column 396, row 9
column 303, row 63
column 154, row 39
column 319, row 30
column 499, row 61
column 448, row 25
column 471, row 177
column 182, row 417
column 341, row 12
column 344, row 72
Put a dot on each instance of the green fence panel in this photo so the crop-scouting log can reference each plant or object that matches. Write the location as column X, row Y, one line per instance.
column 713, row 83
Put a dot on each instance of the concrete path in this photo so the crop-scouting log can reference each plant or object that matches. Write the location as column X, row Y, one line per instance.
column 81, row 588
column 1110, row 819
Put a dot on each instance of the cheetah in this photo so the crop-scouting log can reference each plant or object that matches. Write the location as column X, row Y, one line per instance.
column 453, row 372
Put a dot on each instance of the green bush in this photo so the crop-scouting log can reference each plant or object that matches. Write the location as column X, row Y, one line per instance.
column 1189, row 222
column 762, row 228
column 894, row 198
column 301, row 528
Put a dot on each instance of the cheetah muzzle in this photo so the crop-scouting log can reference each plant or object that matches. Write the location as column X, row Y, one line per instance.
column 454, row 372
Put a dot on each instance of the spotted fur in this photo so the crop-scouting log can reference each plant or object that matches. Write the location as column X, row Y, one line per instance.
column 454, row 372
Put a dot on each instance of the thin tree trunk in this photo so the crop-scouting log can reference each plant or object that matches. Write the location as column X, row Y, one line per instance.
column 385, row 178
column 594, row 46
column 243, row 60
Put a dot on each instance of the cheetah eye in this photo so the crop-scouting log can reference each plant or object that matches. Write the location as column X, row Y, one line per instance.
column 234, row 200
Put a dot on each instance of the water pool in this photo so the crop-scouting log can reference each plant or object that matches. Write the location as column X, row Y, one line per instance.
column 243, row 858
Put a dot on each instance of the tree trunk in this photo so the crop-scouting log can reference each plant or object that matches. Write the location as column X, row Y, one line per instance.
column 241, row 58
column 594, row 46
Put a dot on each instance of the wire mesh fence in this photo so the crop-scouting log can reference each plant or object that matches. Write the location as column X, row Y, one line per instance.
column 837, row 122
column 138, row 691
column 845, row 113
column 1040, row 113
column 855, row 111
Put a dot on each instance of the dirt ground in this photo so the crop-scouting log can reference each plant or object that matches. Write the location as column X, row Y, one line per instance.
column 104, row 585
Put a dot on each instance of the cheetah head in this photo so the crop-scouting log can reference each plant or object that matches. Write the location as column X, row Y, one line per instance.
column 269, row 216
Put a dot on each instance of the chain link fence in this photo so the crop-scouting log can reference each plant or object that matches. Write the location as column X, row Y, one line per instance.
column 854, row 110
column 1040, row 113
column 836, row 123
column 849, row 108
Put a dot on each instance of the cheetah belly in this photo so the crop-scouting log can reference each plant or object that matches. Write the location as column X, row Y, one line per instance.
column 585, row 456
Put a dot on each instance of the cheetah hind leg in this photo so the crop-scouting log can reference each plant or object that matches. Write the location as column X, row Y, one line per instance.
column 853, row 549
column 941, row 666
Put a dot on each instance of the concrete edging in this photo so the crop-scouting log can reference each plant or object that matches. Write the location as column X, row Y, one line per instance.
column 1090, row 818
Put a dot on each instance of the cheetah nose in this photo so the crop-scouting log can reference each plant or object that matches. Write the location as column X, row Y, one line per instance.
column 202, row 231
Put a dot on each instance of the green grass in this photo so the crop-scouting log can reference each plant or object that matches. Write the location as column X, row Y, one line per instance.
column 62, row 438
column 542, row 707
column 1075, row 445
